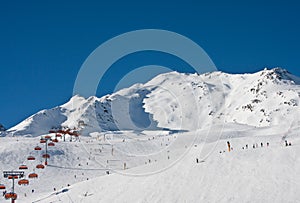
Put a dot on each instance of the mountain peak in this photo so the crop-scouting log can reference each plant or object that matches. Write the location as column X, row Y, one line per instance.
column 2, row 128
column 279, row 75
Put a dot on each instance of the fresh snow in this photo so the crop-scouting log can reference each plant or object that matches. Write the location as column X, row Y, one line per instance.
column 178, row 101
column 157, row 131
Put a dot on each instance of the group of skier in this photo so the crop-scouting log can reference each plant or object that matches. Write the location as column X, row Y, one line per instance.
column 255, row 145
column 287, row 143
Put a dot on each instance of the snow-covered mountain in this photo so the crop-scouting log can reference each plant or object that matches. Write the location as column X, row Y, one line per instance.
column 179, row 101
column 256, row 112
column 2, row 128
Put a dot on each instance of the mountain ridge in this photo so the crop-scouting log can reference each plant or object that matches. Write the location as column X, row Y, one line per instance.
column 177, row 101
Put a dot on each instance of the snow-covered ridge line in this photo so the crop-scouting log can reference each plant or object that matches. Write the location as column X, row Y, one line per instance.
column 2, row 128
column 178, row 101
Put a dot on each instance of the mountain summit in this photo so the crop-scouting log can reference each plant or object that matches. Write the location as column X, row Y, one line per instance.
column 2, row 128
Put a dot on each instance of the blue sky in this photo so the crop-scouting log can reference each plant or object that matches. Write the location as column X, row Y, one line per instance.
column 44, row 43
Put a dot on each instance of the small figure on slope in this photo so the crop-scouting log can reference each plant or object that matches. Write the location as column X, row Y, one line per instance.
column 228, row 145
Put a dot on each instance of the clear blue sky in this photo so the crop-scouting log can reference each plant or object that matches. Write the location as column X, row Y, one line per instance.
column 44, row 43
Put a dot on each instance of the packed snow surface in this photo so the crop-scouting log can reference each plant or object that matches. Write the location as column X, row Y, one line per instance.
column 162, row 173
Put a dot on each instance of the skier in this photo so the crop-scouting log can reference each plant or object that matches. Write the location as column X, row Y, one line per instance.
column 286, row 143
column 267, row 144
column 228, row 144
column 261, row 144
column 197, row 160
column 246, row 146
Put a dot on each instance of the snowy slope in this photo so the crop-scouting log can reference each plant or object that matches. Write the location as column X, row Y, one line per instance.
column 259, row 175
column 263, row 174
column 166, row 124
column 179, row 102
column 112, row 112
column 261, row 99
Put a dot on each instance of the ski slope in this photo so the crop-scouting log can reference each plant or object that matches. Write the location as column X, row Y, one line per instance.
column 263, row 174
column 142, row 143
